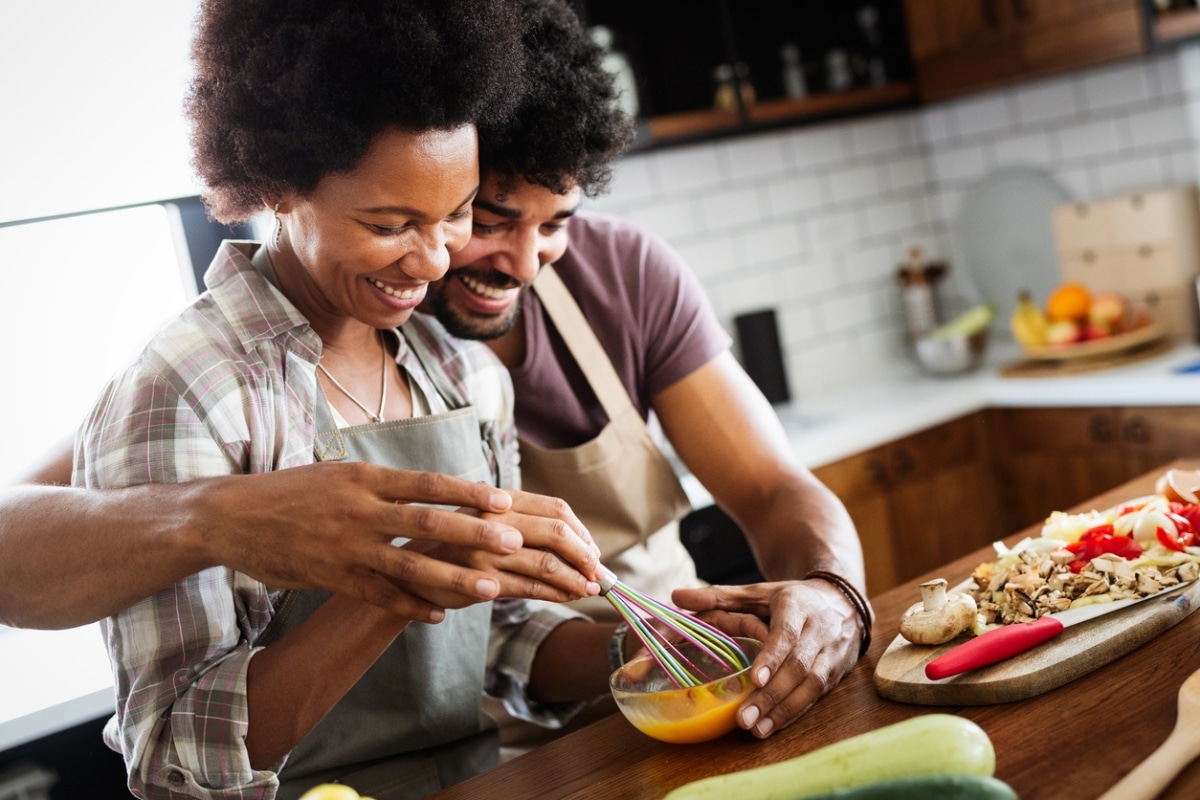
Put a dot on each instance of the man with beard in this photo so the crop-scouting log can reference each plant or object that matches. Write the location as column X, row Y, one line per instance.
column 603, row 327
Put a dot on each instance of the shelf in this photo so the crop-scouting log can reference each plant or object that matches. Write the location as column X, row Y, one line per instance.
column 1169, row 26
column 711, row 122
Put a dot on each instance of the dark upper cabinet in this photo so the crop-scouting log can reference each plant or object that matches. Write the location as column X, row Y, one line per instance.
column 677, row 49
column 962, row 46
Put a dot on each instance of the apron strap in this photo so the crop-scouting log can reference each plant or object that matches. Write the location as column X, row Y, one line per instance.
column 581, row 340
column 413, row 334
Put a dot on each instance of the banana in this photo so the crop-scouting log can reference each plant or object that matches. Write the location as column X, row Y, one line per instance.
column 1029, row 322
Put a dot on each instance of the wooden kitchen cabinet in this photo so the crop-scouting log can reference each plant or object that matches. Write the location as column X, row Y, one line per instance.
column 960, row 46
column 1051, row 459
column 919, row 501
column 675, row 46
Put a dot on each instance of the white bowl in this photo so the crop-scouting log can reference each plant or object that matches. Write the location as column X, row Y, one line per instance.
column 953, row 354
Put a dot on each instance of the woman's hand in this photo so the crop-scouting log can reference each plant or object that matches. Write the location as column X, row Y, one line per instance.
column 811, row 637
column 558, row 560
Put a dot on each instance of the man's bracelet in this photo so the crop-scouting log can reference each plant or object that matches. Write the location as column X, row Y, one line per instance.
column 616, row 647
column 861, row 606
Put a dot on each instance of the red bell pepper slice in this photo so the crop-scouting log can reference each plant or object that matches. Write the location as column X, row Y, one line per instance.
column 1098, row 541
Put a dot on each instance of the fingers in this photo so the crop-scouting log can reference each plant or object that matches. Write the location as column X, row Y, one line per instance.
column 435, row 580
column 383, row 593
column 749, row 599
column 548, row 523
column 450, row 527
column 412, row 486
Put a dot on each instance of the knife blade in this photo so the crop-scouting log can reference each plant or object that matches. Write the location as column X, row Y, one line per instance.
column 1005, row 642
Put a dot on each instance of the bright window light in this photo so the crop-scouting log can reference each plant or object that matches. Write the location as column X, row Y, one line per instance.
column 81, row 296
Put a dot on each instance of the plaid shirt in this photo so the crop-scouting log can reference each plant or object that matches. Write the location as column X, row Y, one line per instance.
column 229, row 387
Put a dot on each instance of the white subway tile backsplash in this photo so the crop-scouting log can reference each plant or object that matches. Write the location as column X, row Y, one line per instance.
column 905, row 174
column 1081, row 183
column 877, row 263
column 984, row 114
column 767, row 244
column 632, row 182
column 1089, row 139
column 711, row 258
column 882, row 135
column 756, row 156
column 672, row 220
column 796, row 195
column 1130, row 175
column 1052, row 99
column 1027, row 149
column 833, row 231
column 893, row 217
column 810, row 278
column 959, row 165
column 857, row 183
column 688, row 169
column 1167, row 125
column 1122, row 85
column 1180, row 167
column 817, row 146
column 747, row 292
column 937, row 124
column 725, row 210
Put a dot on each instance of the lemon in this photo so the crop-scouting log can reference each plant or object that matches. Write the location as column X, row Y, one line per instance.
column 331, row 791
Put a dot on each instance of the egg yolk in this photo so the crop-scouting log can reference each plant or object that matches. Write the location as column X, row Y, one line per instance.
column 706, row 717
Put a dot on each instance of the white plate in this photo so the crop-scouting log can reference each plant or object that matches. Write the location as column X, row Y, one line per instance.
column 1004, row 235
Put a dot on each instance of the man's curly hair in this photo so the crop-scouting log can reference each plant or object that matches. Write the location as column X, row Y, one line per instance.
column 289, row 91
column 567, row 129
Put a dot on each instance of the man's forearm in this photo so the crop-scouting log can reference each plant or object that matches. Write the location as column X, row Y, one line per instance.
column 117, row 547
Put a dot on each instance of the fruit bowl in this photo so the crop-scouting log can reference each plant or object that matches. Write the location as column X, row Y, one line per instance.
column 949, row 355
column 657, row 708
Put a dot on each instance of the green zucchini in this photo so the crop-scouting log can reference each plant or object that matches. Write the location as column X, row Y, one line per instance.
column 927, row 787
column 931, row 744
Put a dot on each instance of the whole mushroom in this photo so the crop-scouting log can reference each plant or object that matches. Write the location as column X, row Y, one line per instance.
column 938, row 618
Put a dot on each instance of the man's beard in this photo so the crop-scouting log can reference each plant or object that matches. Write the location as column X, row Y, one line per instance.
column 479, row 328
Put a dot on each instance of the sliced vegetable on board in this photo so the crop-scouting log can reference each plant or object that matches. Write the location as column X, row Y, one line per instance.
column 928, row 745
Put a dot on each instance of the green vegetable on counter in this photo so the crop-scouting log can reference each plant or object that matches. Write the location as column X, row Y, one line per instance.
column 928, row 745
column 927, row 787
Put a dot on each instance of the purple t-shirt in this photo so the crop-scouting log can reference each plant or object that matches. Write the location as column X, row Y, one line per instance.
column 646, row 308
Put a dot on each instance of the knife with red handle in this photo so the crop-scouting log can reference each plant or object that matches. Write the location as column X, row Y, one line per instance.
column 1007, row 641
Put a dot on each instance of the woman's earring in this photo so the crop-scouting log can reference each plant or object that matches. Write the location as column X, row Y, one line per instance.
column 278, row 225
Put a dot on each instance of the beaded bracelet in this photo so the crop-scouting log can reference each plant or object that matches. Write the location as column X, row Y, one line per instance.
column 616, row 647
column 861, row 606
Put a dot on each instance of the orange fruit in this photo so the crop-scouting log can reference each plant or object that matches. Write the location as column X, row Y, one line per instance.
column 1069, row 301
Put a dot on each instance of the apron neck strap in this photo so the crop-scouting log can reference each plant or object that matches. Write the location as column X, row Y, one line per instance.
column 581, row 340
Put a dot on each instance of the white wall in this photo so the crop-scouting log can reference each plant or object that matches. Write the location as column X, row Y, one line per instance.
column 813, row 221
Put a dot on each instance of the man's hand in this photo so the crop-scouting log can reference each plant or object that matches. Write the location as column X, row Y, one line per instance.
column 811, row 637
column 558, row 561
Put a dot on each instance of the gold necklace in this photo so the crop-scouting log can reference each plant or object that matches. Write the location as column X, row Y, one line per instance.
column 382, row 392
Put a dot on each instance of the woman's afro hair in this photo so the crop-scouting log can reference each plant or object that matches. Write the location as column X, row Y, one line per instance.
column 568, row 128
column 289, row 91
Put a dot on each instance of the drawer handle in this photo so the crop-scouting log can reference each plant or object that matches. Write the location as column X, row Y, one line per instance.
column 1145, row 251
column 904, row 463
column 1082, row 209
column 1137, row 201
column 1089, row 256
column 1136, row 431
column 1099, row 430
column 877, row 471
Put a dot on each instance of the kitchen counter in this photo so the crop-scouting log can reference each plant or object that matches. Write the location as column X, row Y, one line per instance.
column 1097, row 727
column 61, row 678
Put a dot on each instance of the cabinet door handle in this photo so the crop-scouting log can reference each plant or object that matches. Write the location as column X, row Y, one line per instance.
column 1020, row 9
column 991, row 17
column 1099, row 430
column 905, row 463
column 1136, row 431
column 878, row 472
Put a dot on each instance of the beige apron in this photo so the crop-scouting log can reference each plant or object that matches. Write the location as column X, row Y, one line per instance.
column 619, row 484
column 413, row 724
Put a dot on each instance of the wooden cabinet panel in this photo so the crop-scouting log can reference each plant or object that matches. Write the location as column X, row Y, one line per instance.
column 919, row 501
column 959, row 46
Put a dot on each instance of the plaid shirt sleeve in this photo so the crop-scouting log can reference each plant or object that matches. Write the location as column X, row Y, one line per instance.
column 518, row 629
column 179, row 657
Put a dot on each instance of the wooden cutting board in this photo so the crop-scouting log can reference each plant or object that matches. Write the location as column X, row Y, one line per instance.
column 900, row 673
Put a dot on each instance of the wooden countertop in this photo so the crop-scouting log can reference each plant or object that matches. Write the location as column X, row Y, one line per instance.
column 1072, row 743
